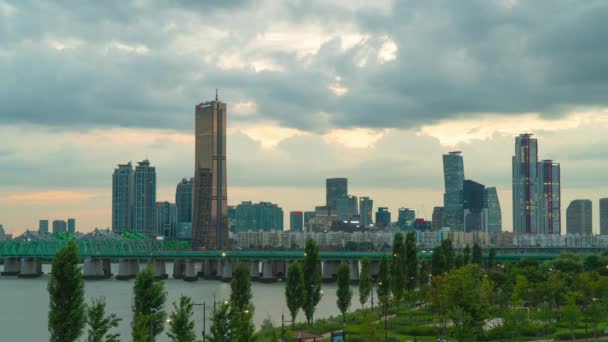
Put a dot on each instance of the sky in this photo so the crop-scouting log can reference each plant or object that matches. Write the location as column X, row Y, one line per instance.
column 375, row 91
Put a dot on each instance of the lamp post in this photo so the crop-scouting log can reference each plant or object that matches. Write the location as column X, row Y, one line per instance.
column 283, row 321
column 204, row 317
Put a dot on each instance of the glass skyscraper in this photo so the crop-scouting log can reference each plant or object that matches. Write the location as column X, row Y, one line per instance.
column 145, row 198
column 494, row 213
column 183, row 201
column 366, row 207
column 71, row 226
column 166, row 219
column 475, row 213
column 578, row 217
column 123, row 198
column 405, row 218
column 258, row 216
column 296, row 221
column 604, row 216
column 549, row 207
column 453, row 171
column 210, row 196
column 383, row 217
column 43, row 226
column 437, row 220
column 347, row 208
column 334, row 189
column 525, row 184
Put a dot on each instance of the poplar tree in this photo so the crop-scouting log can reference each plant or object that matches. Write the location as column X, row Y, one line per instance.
column 150, row 297
column 241, row 308
column 99, row 324
column 411, row 260
column 294, row 290
column 397, row 269
column 365, row 282
column 181, row 325
column 312, row 279
column 477, row 254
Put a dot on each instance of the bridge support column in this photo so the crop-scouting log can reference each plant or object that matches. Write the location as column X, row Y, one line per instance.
column 30, row 268
column 254, row 267
column 178, row 268
column 279, row 269
column 126, row 271
column 190, row 270
column 354, row 271
column 106, row 264
column 159, row 269
column 12, row 266
column 329, row 270
column 92, row 269
column 219, row 271
column 374, row 269
column 267, row 274
column 210, row 268
column 227, row 270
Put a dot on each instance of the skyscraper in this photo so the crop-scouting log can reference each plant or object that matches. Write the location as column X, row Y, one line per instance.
column 258, row 216
column 405, row 218
column 165, row 219
column 334, row 189
column 475, row 213
column 183, row 201
column 366, row 206
column 383, row 217
column 525, row 182
column 210, row 196
column 71, row 226
column 604, row 216
column 123, row 198
column 296, row 221
column 437, row 220
column 59, row 226
column 578, row 217
column 453, row 171
column 494, row 213
column 347, row 208
column 43, row 226
column 549, row 206
column 145, row 198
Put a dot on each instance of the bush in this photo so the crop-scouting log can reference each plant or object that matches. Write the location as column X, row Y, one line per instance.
column 420, row 330
column 565, row 335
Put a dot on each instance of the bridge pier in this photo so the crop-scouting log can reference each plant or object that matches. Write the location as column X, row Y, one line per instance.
column 127, row 269
column 178, row 268
column 210, row 267
column 159, row 268
column 92, row 269
column 354, row 271
column 374, row 269
column 254, row 267
column 279, row 269
column 30, row 268
column 106, row 264
column 267, row 272
column 227, row 270
column 190, row 270
column 329, row 270
column 12, row 266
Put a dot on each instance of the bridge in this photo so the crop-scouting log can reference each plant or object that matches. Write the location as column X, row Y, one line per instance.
column 24, row 256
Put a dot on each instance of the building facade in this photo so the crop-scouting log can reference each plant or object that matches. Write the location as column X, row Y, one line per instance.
column 437, row 219
column 123, row 198
column 166, row 219
column 383, row 218
column 296, row 221
column 525, row 184
column 258, row 216
column 366, row 207
column 145, row 198
column 579, row 217
column 492, row 204
column 210, row 196
column 604, row 216
column 347, row 208
column 183, row 200
column 405, row 218
column 43, row 226
column 453, row 171
column 334, row 189
column 549, row 206
column 475, row 213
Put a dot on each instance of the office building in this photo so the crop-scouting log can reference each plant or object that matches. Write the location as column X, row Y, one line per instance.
column 405, row 218
column 183, row 230
column 308, row 215
column 258, row 216
column 166, row 215
column 347, row 208
column 334, row 189
column 366, row 207
column 72, row 226
column 231, row 217
column 123, row 198
column 525, row 184
column 210, row 196
column 549, row 206
column 475, row 213
column 296, row 221
column 604, row 216
column 578, row 217
column 59, row 226
column 383, row 218
column 492, row 204
column 145, row 199
column 437, row 219
column 183, row 200
column 43, row 226
column 453, row 171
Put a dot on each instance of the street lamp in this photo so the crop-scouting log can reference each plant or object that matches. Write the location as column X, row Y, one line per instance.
column 283, row 321
column 203, row 304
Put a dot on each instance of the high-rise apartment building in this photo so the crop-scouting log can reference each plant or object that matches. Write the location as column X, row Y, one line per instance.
column 296, row 221
column 366, row 207
column 71, row 226
column 405, row 218
column 145, row 198
column 453, row 171
column 123, row 198
column 549, row 206
column 59, row 226
column 383, row 218
column 437, row 220
column 166, row 215
column 43, row 226
column 183, row 200
column 604, row 216
column 579, row 217
column 258, row 216
column 347, row 208
column 210, row 196
column 334, row 189
column 525, row 184
column 492, row 204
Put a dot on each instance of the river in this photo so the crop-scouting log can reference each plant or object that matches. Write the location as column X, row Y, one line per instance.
column 24, row 303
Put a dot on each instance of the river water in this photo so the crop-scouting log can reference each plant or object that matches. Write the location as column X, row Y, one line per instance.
column 24, row 303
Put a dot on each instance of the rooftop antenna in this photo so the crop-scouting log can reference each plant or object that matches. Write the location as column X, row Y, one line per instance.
column 215, row 94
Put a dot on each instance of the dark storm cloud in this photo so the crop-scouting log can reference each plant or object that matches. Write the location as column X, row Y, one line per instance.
column 454, row 59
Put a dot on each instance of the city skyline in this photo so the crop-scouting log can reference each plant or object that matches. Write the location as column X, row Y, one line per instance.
column 372, row 91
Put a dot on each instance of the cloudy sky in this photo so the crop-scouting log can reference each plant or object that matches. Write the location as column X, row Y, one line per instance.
column 375, row 91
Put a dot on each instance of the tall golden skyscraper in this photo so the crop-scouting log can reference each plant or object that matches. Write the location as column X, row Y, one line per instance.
column 209, row 204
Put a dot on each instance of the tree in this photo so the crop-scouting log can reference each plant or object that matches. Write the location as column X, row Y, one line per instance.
column 312, row 279
column 384, row 291
column 514, row 323
column 100, row 324
column 572, row 314
column 466, row 255
column 438, row 261
column 491, row 257
column 344, row 292
column 448, row 254
column 294, row 290
column 150, row 296
column 67, row 310
column 520, row 291
column 477, row 254
column 241, row 309
column 181, row 325
column 411, row 259
column 220, row 330
column 365, row 282
column 141, row 329
column 397, row 269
